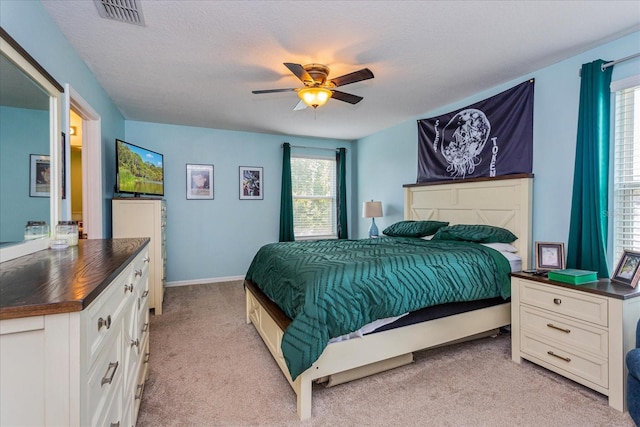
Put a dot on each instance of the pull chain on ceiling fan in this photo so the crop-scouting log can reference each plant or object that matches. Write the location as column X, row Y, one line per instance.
column 317, row 89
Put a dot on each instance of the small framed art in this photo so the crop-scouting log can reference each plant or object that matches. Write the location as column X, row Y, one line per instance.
column 39, row 175
column 549, row 256
column 251, row 183
column 628, row 270
column 199, row 182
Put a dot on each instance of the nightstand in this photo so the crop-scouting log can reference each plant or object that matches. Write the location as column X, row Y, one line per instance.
column 582, row 332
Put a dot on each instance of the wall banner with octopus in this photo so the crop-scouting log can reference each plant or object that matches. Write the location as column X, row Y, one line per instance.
column 490, row 138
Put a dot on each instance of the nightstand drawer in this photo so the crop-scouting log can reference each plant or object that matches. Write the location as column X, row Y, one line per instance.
column 589, row 368
column 579, row 305
column 565, row 332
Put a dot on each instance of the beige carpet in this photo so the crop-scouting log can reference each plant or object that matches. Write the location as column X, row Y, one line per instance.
column 209, row 368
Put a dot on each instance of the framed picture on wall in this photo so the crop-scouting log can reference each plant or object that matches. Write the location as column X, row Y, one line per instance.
column 39, row 175
column 628, row 270
column 251, row 183
column 549, row 256
column 199, row 182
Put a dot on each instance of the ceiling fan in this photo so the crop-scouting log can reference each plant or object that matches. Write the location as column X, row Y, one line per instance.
column 318, row 88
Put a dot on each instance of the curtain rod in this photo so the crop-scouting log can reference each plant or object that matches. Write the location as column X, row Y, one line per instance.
column 315, row 148
column 617, row 61
column 612, row 63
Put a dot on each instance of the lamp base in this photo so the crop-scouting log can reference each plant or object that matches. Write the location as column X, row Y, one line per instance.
column 373, row 230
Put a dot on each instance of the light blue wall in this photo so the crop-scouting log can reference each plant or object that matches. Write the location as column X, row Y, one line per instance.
column 22, row 132
column 388, row 159
column 31, row 26
column 218, row 238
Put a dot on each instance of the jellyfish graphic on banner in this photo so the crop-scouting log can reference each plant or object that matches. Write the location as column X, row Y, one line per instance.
column 490, row 138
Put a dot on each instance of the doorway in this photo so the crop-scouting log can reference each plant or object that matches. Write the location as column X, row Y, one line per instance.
column 84, row 163
column 75, row 168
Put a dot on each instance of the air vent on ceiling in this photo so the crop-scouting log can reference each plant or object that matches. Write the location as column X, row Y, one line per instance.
column 121, row 10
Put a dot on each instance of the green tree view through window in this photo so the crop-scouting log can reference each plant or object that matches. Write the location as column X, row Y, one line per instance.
column 313, row 182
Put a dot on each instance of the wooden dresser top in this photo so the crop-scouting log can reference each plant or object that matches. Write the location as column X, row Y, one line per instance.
column 63, row 281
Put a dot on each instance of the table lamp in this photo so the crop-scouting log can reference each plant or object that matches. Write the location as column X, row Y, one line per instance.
column 372, row 210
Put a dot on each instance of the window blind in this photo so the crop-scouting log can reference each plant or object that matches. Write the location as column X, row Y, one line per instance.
column 313, row 181
column 626, row 186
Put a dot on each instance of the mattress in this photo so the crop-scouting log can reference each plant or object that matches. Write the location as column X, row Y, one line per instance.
column 436, row 312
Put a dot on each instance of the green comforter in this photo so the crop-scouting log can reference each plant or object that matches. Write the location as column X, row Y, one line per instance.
column 333, row 287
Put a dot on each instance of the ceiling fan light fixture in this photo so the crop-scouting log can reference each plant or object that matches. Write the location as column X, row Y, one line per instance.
column 314, row 96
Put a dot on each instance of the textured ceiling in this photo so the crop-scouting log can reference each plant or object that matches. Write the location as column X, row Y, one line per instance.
column 195, row 63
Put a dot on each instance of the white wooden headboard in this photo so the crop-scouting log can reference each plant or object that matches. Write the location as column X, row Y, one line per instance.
column 505, row 203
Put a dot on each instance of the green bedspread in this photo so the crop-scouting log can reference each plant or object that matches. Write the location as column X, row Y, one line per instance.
column 333, row 287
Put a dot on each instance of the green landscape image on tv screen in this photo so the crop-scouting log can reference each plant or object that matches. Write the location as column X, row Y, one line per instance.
column 139, row 170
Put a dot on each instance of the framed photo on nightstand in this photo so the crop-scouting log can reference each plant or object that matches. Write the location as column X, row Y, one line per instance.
column 549, row 256
column 628, row 270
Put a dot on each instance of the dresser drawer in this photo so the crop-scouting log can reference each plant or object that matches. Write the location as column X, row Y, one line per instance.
column 105, row 379
column 589, row 368
column 141, row 272
column 578, row 305
column 112, row 414
column 565, row 331
column 105, row 314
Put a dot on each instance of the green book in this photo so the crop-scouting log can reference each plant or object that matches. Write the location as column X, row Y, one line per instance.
column 573, row 276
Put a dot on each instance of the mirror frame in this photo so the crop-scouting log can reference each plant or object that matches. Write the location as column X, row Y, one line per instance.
column 12, row 50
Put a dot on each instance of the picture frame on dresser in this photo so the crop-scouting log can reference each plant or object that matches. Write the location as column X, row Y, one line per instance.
column 627, row 271
column 199, row 182
column 549, row 256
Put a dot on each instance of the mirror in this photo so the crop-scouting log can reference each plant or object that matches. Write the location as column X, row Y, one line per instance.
column 30, row 146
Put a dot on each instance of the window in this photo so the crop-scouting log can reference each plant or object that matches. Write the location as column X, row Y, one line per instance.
column 626, row 183
column 313, row 181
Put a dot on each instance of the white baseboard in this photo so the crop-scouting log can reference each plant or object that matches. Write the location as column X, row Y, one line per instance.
column 202, row 281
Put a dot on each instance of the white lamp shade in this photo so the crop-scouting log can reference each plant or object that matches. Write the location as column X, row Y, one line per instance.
column 371, row 209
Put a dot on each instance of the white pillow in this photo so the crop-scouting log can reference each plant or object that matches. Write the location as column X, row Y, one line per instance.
column 502, row 247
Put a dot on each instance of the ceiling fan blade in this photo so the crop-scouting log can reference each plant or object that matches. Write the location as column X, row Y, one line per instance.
column 356, row 76
column 274, row 90
column 346, row 97
column 299, row 71
column 300, row 106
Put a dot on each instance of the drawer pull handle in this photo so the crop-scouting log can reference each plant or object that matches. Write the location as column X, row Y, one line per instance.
column 146, row 357
column 557, row 301
column 551, row 353
column 135, row 342
column 102, row 322
column 137, row 273
column 108, row 378
column 146, row 259
column 145, row 327
column 145, row 293
column 139, row 391
column 128, row 288
column 551, row 325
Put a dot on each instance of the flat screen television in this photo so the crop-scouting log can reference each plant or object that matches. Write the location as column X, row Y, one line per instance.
column 139, row 171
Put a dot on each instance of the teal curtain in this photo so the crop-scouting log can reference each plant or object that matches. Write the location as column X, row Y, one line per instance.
column 587, row 247
column 342, row 193
column 286, row 197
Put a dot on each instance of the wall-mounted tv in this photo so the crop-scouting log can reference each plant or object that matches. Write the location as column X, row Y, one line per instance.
column 139, row 171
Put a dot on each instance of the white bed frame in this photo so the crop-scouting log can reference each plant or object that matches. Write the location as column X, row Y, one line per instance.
column 504, row 202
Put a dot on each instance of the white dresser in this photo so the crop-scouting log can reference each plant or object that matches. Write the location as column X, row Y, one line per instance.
column 74, row 335
column 145, row 217
column 582, row 332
